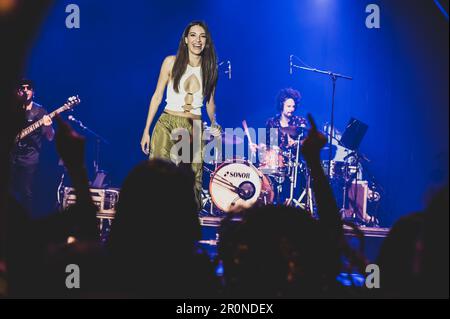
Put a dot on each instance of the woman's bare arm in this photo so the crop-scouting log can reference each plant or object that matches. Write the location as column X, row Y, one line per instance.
column 163, row 79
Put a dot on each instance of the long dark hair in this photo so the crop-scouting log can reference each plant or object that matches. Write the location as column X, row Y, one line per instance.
column 209, row 62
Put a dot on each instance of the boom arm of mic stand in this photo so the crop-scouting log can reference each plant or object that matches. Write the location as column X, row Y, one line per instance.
column 334, row 138
column 332, row 74
column 334, row 77
column 97, row 136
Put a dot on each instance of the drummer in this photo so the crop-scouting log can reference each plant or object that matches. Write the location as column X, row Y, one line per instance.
column 289, row 125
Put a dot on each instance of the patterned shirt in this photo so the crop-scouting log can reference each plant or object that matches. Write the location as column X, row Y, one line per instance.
column 280, row 138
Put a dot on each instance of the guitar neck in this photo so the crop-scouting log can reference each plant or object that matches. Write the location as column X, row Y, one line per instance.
column 33, row 127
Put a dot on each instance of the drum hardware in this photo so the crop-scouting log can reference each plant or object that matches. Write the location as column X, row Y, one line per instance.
column 207, row 196
column 306, row 194
column 293, row 177
column 207, row 204
column 373, row 195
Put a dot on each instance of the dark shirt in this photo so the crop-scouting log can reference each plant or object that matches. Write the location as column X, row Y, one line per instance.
column 281, row 139
column 27, row 150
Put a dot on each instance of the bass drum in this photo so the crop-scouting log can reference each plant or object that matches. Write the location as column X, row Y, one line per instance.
column 238, row 183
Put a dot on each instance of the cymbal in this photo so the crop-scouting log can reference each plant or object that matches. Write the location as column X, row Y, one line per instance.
column 229, row 139
column 293, row 131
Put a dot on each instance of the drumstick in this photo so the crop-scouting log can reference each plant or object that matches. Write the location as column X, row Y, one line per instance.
column 244, row 124
column 253, row 152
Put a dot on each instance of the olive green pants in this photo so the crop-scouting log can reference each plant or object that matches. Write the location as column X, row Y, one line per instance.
column 173, row 139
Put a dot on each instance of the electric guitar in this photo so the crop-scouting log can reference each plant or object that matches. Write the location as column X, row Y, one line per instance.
column 71, row 102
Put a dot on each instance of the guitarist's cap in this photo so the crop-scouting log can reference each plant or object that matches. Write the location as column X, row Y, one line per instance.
column 26, row 82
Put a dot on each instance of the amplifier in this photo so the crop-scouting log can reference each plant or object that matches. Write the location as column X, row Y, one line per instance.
column 104, row 198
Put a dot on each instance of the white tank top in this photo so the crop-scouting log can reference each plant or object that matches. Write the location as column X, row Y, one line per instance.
column 175, row 101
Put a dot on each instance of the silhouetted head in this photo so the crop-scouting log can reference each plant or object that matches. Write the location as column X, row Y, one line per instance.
column 156, row 207
column 414, row 258
column 276, row 252
column 153, row 237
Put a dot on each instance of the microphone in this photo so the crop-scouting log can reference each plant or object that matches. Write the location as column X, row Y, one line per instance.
column 73, row 119
column 229, row 69
column 290, row 64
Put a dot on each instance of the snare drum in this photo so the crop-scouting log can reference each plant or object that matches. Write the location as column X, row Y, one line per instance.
column 237, row 182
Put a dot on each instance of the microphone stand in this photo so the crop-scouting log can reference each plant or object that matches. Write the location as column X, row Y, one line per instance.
column 98, row 140
column 333, row 76
column 228, row 68
column 328, row 134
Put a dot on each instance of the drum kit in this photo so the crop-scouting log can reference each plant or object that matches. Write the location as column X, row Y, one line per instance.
column 278, row 176
column 240, row 183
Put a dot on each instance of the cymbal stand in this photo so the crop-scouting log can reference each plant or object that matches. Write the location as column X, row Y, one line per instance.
column 206, row 194
column 294, row 174
column 308, row 206
column 307, row 194
column 216, row 160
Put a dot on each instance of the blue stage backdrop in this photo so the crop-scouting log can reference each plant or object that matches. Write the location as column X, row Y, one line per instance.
column 400, row 71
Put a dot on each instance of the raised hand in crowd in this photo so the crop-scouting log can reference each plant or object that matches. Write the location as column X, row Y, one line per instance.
column 326, row 203
column 71, row 147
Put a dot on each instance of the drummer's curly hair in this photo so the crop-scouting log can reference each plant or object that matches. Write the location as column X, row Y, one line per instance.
column 287, row 93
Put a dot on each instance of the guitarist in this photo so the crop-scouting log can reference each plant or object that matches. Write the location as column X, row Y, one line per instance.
column 25, row 154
